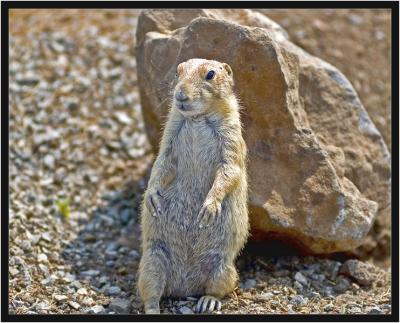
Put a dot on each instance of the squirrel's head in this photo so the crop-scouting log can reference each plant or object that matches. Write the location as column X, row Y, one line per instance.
column 200, row 84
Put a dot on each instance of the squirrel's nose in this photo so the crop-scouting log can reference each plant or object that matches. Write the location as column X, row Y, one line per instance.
column 180, row 95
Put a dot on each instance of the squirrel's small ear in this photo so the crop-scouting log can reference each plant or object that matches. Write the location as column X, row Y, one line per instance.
column 228, row 69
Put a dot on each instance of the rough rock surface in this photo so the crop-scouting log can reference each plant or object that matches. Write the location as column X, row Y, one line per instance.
column 319, row 169
column 363, row 273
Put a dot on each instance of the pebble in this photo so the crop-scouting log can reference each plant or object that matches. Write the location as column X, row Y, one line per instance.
column 297, row 285
column 314, row 295
column 329, row 307
column 126, row 215
column 29, row 79
column 301, row 278
column 60, row 298
column 42, row 257
column 134, row 254
column 42, row 306
column 47, row 281
column 355, row 19
column 342, row 286
column 281, row 273
column 90, row 273
column 359, row 271
column 13, row 271
column 82, row 291
column 26, row 245
column 334, row 270
column 379, row 35
column 185, row 310
column 298, row 300
column 120, row 305
column 76, row 284
column 87, row 301
column 103, row 280
column 249, row 284
column 265, row 296
column 112, row 291
column 123, row 118
column 109, row 254
column 49, row 161
column 46, row 236
column 375, row 310
column 74, row 305
column 97, row 309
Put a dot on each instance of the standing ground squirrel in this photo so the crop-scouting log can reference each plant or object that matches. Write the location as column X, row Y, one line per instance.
column 194, row 212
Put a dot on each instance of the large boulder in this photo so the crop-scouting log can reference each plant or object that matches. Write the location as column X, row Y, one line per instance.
column 319, row 171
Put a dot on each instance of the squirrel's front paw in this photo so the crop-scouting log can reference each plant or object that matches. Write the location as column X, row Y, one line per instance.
column 155, row 202
column 210, row 210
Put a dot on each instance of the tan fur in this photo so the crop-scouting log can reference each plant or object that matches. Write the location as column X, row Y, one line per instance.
column 194, row 213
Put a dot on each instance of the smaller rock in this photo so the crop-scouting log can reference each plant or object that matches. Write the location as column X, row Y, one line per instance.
column 113, row 246
column 47, row 281
column 301, row 278
column 354, row 309
column 375, row 310
column 249, row 284
column 265, row 296
column 329, row 307
column 120, row 305
column 46, row 236
column 42, row 257
column 185, row 310
column 90, row 273
column 355, row 19
column 26, row 245
column 103, row 280
column 379, row 35
column 281, row 273
column 297, row 285
column 126, row 215
column 72, row 104
column 97, row 309
column 74, row 305
column 314, row 295
column 327, row 291
column 334, row 270
column 112, row 291
column 29, row 79
column 33, row 238
column 111, row 255
column 110, row 263
column 42, row 306
column 13, row 271
column 82, row 291
column 123, row 118
column 60, row 298
column 342, row 286
column 49, row 161
column 134, row 254
column 298, row 300
column 359, row 271
column 76, row 284
column 87, row 301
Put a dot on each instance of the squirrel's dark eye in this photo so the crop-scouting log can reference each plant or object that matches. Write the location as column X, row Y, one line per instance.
column 210, row 75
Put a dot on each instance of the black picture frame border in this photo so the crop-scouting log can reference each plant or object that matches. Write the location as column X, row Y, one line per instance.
column 6, row 5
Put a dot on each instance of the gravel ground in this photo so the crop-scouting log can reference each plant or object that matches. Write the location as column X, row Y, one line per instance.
column 79, row 160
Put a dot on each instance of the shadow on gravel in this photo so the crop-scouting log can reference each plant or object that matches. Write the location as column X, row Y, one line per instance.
column 105, row 253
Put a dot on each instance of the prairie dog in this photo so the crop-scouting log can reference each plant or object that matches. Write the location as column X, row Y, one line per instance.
column 194, row 213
